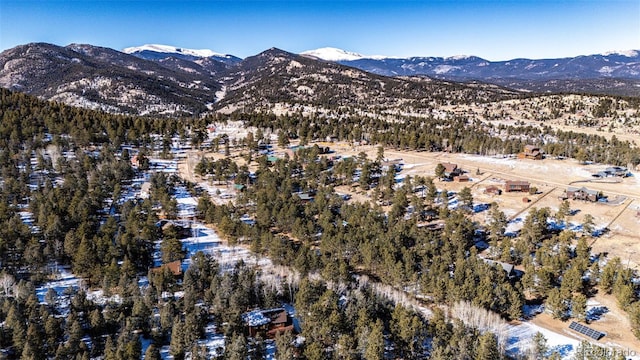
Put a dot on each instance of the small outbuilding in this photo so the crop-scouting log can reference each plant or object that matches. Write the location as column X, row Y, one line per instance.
column 493, row 190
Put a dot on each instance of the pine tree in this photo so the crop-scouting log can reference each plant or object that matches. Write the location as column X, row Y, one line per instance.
column 375, row 342
column 563, row 211
column 314, row 351
column 284, row 346
column 15, row 322
column 488, row 347
column 439, row 171
column 152, row 353
column 579, row 307
column 177, row 346
column 237, row 349
column 557, row 304
column 466, row 198
column 539, row 347
column 588, row 225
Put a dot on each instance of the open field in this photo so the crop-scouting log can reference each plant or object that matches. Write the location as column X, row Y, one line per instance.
column 551, row 177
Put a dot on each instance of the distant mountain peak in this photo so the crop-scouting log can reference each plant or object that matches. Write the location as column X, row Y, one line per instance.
column 202, row 53
column 627, row 53
column 333, row 54
column 460, row 57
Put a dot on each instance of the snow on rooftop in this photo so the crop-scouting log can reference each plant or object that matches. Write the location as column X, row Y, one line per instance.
column 255, row 318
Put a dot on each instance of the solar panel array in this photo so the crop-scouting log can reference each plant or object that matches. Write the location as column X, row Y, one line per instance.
column 585, row 330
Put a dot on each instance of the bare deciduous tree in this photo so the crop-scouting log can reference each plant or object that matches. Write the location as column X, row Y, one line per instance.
column 6, row 284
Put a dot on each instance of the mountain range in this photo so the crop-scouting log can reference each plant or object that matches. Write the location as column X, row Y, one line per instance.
column 610, row 73
column 618, row 65
column 161, row 79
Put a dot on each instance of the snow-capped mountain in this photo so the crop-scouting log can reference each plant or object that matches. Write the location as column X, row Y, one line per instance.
column 333, row 54
column 162, row 52
column 102, row 78
column 171, row 49
column 615, row 64
column 627, row 53
column 179, row 82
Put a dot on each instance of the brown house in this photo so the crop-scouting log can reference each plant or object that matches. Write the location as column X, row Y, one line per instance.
column 461, row 178
column 522, row 186
column 531, row 152
column 451, row 170
column 267, row 323
column 582, row 194
column 175, row 267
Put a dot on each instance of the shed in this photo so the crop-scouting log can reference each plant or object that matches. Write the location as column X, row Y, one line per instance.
column 492, row 190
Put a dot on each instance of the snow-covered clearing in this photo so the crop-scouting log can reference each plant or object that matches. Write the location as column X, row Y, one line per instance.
column 520, row 339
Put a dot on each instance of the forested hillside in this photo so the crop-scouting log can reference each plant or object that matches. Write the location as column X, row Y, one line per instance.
column 68, row 206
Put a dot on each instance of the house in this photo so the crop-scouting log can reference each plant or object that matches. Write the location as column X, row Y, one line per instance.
column 522, row 186
column 510, row 269
column 582, row 193
column 435, row 225
column 616, row 171
column 175, row 267
column 267, row 323
column 493, row 190
column 304, row 196
column 180, row 229
column 396, row 163
column 461, row 178
column 451, row 170
column 530, row 152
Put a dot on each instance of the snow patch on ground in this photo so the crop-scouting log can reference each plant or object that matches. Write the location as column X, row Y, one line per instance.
column 521, row 339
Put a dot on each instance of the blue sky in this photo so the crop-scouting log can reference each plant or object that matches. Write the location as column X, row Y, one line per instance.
column 492, row 29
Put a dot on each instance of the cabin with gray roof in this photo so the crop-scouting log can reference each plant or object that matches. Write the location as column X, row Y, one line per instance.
column 510, row 269
column 583, row 193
